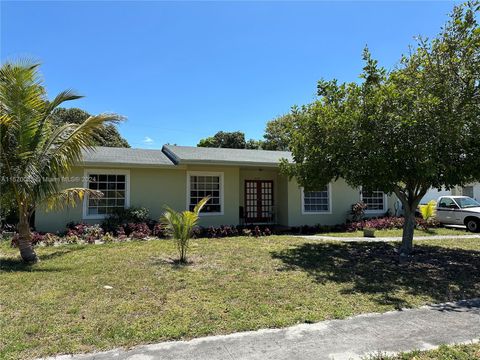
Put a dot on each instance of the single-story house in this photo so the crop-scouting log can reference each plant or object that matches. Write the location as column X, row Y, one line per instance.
column 246, row 187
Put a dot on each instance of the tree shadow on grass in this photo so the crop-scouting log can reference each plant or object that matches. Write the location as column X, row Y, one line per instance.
column 440, row 273
column 175, row 263
column 16, row 264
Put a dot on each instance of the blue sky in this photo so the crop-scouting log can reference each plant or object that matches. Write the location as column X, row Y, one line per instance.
column 180, row 71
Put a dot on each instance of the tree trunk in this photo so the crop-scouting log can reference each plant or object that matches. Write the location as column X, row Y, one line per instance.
column 410, row 198
column 25, row 241
column 408, row 229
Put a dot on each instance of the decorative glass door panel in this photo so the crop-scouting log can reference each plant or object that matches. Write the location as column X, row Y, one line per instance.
column 258, row 201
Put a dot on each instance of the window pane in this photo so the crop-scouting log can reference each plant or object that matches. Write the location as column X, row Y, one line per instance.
column 201, row 186
column 113, row 189
column 374, row 199
column 316, row 201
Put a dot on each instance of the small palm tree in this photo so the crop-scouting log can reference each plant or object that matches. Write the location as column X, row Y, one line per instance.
column 428, row 211
column 180, row 226
column 34, row 153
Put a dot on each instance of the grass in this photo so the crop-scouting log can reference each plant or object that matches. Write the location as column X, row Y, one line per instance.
column 60, row 305
column 455, row 352
column 398, row 232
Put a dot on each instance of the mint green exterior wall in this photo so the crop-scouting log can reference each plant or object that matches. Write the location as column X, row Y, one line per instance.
column 342, row 198
column 282, row 200
column 154, row 188
column 53, row 221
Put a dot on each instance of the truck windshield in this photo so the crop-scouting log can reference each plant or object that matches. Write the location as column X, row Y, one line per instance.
column 467, row 203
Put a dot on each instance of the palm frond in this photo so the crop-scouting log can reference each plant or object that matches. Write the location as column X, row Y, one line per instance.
column 201, row 204
column 428, row 211
column 70, row 141
column 70, row 197
column 66, row 95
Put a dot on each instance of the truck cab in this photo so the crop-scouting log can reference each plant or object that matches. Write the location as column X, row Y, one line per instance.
column 459, row 210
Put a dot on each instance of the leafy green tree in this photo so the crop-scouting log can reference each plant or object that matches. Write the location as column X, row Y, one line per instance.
column 180, row 226
column 34, row 153
column 108, row 135
column 402, row 132
column 223, row 139
column 278, row 133
column 253, row 144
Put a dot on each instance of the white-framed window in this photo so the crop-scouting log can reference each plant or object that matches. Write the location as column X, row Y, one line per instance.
column 201, row 184
column 376, row 200
column 317, row 202
column 115, row 186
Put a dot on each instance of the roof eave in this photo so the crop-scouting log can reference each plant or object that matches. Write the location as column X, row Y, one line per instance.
column 129, row 165
column 230, row 163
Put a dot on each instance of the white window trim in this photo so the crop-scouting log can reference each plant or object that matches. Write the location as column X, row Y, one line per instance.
column 206, row 173
column 385, row 205
column 86, row 176
column 329, row 212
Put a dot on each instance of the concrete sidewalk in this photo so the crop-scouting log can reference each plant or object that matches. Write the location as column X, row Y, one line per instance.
column 353, row 338
column 383, row 239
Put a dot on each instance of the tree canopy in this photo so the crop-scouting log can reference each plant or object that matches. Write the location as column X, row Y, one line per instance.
column 108, row 135
column 278, row 133
column 402, row 131
column 277, row 137
column 232, row 140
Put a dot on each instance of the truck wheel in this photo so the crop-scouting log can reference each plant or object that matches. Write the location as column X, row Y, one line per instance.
column 473, row 225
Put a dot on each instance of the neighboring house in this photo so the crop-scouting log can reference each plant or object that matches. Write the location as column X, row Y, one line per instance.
column 434, row 194
column 472, row 190
column 246, row 187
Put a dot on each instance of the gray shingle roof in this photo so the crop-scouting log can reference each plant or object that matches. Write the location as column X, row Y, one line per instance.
column 173, row 155
column 126, row 156
column 201, row 155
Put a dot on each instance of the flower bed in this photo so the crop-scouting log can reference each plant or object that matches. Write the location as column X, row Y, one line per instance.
column 387, row 223
column 94, row 234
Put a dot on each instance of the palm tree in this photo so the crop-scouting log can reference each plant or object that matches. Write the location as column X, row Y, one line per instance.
column 180, row 226
column 34, row 154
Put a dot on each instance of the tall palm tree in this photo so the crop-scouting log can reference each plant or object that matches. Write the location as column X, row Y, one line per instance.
column 180, row 225
column 34, row 154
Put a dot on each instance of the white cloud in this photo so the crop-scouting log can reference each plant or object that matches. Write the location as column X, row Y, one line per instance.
column 148, row 140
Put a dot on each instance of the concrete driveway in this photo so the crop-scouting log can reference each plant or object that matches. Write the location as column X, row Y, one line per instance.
column 353, row 338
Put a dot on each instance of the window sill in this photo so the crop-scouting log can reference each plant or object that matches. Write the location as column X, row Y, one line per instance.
column 94, row 217
column 211, row 214
column 316, row 213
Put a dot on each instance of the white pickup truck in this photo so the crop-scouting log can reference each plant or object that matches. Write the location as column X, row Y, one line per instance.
column 459, row 210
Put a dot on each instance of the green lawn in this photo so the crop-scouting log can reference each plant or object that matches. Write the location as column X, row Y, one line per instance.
column 456, row 352
column 398, row 232
column 233, row 284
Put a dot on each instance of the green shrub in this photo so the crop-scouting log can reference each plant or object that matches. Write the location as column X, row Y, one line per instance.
column 50, row 239
column 71, row 239
column 108, row 238
column 125, row 216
